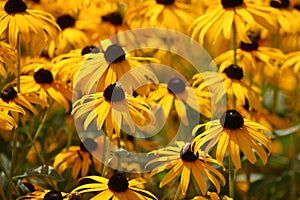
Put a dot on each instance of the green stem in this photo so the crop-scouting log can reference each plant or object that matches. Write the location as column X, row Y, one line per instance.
column 231, row 179
column 38, row 131
column 10, row 181
column 293, row 192
column 177, row 192
column 2, row 195
column 106, row 156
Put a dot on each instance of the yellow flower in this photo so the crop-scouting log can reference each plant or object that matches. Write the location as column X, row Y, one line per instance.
column 177, row 93
column 6, row 121
column 43, row 83
column 171, row 14
column 117, row 187
column 253, row 58
column 113, row 106
column 211, row 196
column 66, row 66
column 18, row 21
column 183, row 160
column 292, row 61
column 232, row 132
column 219, row 19
column 71, row 37
column 109, row 67
column 46, row 195
column 13, row 98
column 78, row 157
column 8, row 55
column 229, row 82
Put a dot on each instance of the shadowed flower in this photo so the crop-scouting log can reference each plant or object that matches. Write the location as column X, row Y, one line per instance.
column 177, row 93
column 219, row 19
column 183, row 160
column 8, row 55
column 19, row 22
column 171, row 14
column 114, row 107
column 43, row 83
column 78, row 157
column 45, row 195
column 232, row 132
column 117, row 187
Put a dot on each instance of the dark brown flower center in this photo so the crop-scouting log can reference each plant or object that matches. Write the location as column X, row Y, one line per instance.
column 234, row 72
column 29, row 186
column 8, row 94
column 15, row 6
column 89, row 49
column 165, row 2
column 43, row 76
column 232, row 119
column 297, row 6
column 118, row 183
column 114, row 93
column 113, row 18
column 65, row 21
column 114, row 53
column 280, row 3
column 176, row 86
column 249, row 46
column 231, row 3
column 187, row 154
column 88, row 145
column 53, row 195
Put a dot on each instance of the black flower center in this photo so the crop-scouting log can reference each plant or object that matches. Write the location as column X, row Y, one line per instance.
column 297, row 6
column 114, row 18
column 65, row 21
column 118, row 183
column 232, row 119
column 249, row 46
column 15, row 6
column 114, row 93
column 165, row 2
column 89, row 49
column 29, row 186
column 176, row 85
column 234, row 72
column 53, row 195
column 88, row 145
column 8, row 94
column 187, row 154
column 43, row 76
column 114, row 54
column 231, row 3
column 280, row 3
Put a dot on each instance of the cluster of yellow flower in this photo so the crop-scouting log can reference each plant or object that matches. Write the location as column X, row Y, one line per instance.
column 71, row 55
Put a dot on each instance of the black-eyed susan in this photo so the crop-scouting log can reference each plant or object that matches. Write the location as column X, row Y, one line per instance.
column 44, row 84
column 45, row 195
column 114, row 107
column 8, row 56
column 71, row 37
column 6, row 120
column 212, row 196
column 229, row 82
column 16, row 21
column 117, row 187
column 253, row 58
column 178, row 94
column 67, row 65
column 231, row 133
column 109, row 67
column 12, row 97
column 171, row 14
column 78, row 157
column 183, row 160
column 220, row 18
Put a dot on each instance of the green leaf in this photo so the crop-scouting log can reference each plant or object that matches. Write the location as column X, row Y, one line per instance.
column 42, row 171
column 22, row 188
column 285, row 132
